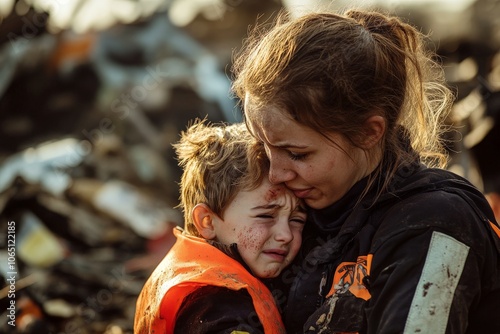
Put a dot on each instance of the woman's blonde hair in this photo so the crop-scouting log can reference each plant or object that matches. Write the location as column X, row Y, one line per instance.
column 332, row 72
column 218, row 161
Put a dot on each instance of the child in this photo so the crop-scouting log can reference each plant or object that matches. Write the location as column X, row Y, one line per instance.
column 237, row 227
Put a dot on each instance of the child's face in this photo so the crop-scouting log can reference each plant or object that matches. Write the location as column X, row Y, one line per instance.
column 267, row 225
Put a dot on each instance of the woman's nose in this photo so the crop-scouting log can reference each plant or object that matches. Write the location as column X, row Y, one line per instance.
column 278, row 170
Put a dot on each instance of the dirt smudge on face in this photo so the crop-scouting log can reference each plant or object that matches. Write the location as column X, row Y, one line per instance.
column 249, row 238
column 274, row 192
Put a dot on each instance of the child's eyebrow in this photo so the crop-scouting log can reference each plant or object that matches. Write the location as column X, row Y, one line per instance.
column 300, row 208
column 267, row 207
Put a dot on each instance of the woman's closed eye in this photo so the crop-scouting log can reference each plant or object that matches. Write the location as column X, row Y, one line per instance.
column 297, row 156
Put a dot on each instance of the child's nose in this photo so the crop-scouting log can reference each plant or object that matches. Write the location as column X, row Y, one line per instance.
column 283, row 232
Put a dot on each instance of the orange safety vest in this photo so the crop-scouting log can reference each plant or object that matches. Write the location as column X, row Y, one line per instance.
column 190, row 264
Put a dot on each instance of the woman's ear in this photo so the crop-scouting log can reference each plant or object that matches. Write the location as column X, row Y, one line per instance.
column 374, row 131
column 203, row 218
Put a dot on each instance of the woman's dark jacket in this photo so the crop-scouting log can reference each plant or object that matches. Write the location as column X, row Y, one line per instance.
column 423, row 258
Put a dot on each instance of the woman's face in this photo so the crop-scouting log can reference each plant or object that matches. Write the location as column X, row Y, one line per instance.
column 309, row 164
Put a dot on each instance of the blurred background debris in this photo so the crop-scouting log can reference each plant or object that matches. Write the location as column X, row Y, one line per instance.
column 93, row 94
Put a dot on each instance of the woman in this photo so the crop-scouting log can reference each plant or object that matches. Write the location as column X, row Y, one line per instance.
column 350, row 109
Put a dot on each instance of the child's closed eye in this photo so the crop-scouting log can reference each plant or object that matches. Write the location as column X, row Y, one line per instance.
column 298, row 220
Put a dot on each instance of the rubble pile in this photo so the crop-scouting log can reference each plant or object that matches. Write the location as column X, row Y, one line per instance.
column 83, row 246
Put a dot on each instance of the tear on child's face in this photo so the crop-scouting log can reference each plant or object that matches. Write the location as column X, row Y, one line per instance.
column 267, row 225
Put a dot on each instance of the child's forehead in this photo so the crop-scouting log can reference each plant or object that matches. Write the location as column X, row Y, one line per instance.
column 273, row 192
column 267, row 194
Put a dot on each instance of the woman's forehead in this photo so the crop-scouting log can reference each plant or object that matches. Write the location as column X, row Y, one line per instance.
column 263, row 114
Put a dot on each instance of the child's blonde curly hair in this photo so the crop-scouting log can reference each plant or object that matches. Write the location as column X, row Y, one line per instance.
column 218, row 161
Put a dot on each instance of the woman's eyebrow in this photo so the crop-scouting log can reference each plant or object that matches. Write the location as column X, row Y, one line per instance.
column 288, row 145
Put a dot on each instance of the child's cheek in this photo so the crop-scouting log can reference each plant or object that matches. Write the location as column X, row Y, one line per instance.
column 250, row 238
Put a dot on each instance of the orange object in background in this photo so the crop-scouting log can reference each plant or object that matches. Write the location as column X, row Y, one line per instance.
column 29, row 313
column 72, row 49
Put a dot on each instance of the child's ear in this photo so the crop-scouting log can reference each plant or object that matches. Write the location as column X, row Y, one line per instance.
column 203, row 218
